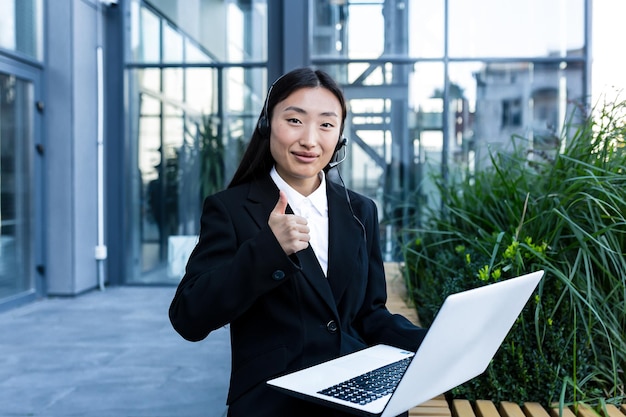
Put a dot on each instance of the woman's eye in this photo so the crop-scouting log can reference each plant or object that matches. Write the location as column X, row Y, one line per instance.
column 327, row 125
column 294, row 120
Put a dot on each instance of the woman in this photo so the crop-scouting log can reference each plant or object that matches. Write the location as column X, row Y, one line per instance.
column 292, row 261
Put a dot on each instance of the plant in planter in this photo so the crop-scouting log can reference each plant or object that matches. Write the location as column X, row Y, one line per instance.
column 565, row 214
column 211, row 148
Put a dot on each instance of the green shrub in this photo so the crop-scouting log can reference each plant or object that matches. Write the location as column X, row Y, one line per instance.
column 564, row 214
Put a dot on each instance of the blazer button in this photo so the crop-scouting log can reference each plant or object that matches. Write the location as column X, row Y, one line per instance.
column 331, row 326
column 278, row 275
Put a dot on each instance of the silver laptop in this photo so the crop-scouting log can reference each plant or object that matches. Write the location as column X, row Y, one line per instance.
column 387, row 381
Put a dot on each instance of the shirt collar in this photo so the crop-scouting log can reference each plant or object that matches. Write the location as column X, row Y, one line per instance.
column 317, row 198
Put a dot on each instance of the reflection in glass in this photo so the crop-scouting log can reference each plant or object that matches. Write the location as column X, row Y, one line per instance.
column 505, row 100
column 373, row 29
column 185, row 152
column 173, row 83
column 200, row 87
column 155, row 37
column 426, row 28
column 169, row 187
column 21, row 27
column 145, row 34
column 150, row 79
column 150, row 162
column 172, row 44
column 395, row 130
column 245, row 90
column 194, row 54
column 16, row 212
column 426, row 130
column 189, row 140
column 530, row 28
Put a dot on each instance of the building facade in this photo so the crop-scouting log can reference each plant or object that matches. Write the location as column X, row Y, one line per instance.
column 117, row 117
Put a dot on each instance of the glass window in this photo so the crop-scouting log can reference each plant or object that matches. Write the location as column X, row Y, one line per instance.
column 16, row 211
column 145, row 35
column 235, row 34
column 195, row 54
column 172, row 45
column 21, row 27
column 189, row 125
column 245, row 89
column 342, row 28
column 200, row 87
column 395, row 133
column 490, row 103
column 150, row 165
column 371, row 29
column 226, row 31
column 246, row 34
column 149, row 79
column 190, row 132
column 426, row 28
column 531, row 28
column 173, row 83
column 7, row 24
column 366, row 29
column 175, row 132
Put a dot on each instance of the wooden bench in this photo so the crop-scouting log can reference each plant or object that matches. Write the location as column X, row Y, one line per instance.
column 484, row 408
column 399, row 302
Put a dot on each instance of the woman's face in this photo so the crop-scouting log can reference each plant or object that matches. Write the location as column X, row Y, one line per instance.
column 305, row 130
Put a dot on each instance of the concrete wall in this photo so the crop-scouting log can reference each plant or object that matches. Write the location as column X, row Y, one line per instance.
column 70, row 122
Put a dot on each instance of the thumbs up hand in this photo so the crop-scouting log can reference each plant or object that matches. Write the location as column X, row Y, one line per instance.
column 290, row 230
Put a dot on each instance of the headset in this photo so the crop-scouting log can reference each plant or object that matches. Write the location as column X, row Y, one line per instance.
column 264, row 128
column 263, row 125
column 337, row 156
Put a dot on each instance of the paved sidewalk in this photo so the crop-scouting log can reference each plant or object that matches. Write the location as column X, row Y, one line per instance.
column 108, row 354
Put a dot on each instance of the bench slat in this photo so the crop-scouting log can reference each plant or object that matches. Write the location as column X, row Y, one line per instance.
column 585, row 411
column 557, row 412
column 439, row 401
column 437, row 407
column 510, row 409
column 613, row 411
column 534, row 410
column 462, row 408
column 430, row 411
column 485, row 408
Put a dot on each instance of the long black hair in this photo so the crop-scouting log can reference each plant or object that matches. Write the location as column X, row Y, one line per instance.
column 257, row 160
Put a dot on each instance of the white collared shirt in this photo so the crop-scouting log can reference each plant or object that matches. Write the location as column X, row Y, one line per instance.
column 314, row 208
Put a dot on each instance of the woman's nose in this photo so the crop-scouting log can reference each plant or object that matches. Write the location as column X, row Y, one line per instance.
column 309, row 137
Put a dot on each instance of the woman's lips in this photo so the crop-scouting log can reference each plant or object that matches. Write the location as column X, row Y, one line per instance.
column 305, row 156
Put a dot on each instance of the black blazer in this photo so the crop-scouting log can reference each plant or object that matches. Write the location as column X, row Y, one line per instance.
column 284, row 314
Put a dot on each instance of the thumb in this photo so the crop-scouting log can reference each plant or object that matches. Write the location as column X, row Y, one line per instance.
column 281, row 205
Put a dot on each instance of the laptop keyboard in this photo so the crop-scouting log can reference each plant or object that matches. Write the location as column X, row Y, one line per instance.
column 370, row 386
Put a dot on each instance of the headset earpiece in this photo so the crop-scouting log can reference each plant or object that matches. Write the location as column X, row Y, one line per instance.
column 263, row 126
column 343, row 141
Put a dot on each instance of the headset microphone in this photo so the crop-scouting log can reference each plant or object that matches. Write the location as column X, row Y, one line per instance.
column 337, row 157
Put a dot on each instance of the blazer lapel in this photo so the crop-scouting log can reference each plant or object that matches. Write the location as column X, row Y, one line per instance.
column 345, row 242
column 262, row 199
column 312, row 270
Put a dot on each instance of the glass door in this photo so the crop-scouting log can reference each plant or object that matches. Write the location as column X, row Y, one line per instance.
column 17, row 185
